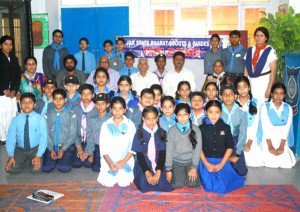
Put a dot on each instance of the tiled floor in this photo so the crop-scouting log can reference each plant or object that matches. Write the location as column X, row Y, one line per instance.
column 254, row 176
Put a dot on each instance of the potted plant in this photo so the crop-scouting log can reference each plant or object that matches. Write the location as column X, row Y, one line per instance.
column 284, row 32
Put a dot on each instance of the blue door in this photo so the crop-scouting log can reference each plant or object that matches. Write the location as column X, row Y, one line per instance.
column 96, row 24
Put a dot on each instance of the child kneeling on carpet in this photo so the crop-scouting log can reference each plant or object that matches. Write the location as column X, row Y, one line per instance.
column 184, row 145
column 216, row 173
column 62, row 131
column 150, row 147
column 115, row 143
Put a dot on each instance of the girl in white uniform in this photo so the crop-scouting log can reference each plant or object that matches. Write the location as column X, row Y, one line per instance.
column 115, row 147
column 276, row 122
column 252, row 151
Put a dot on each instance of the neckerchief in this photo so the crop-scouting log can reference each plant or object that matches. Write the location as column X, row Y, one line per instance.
column 117, row 130
column 46, row 101
column 229, row 114
column 56, row 55
column 129, row 97
column 218, row 77
column 233, row 54
column 71, row 101
column 57, row 131
column 183, row 128
column 170, row 122
column 141, row 108
column 180, row 101
column 151, row 145
column 83, row 119
column 257, row 53
column 106, row 90
column 195, row 118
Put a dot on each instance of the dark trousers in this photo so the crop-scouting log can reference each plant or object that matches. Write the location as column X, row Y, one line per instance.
column 240, row 166
column 63, row 165
column 22, row 157
column 96, row 162
column 180, row 176
column 77, row 163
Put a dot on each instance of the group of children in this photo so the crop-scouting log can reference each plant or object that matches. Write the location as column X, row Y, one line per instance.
column 157, row 142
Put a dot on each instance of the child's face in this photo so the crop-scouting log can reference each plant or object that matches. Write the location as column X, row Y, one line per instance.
column 120, row 46
column 27, row 105
column 168, row 108
column 158, row 96
column 129, row 61
column 101, row 79
column 83, row 45
column 48, row 89
column 218, row 68
column 183, row 116
column 234, row 40
column 118, row 110
column 102, row 106
column 197, row 103
column 243, row 89
column 71, row 88
column 228, row 97
column 146, row 100
column 124, row 87
column 213, row 113
column 59, row 102
column 161, row 63
column 108, row 48
column 211, row 92
column 184, row 91
column 278, row 95
column 214, row 42
column 86, row 96
column 30, row 66
column 150, row 119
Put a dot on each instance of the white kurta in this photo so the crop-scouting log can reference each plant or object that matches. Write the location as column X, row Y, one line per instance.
column 276, row 133
column 172, row 78
column 115, row 147
column 8, row 110
column 254, row 157
column 139, row 82
column 259, row 85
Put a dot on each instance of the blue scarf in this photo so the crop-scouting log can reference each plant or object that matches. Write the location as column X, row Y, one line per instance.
column 57, row 131
column 183, row 128
column 116, row 131
column 208, row 122
column 130, row 95
column 46, row 101
column 56, row 55
column 229, row 114
column 260, row 63
column 71, row 101
column 180, row 101
column 233, row 53
column 172, row 120
column 106, row 90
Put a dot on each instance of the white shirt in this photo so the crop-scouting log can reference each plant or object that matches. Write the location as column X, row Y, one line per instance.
column 139, row 82
column 172, row 78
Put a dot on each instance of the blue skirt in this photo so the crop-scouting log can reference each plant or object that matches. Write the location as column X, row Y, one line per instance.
column 221, row 182
column 141, row 182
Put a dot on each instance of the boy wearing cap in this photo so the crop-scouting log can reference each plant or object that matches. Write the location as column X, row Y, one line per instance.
column 102, row 101
column 197, row 99
column 44, row 104
column 161, row 62
column 73, row 97
column 236, row 118
column 62, row 129
column 86, row 61
column 129, row 68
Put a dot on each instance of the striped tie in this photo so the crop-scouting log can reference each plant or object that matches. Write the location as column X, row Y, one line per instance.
column 26, row 135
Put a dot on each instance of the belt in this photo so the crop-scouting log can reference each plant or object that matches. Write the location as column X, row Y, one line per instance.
column 266, row 73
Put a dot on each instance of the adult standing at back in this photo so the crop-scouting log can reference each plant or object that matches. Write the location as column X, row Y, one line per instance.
column 233, row 56
column 261, row 63
column 54, row 55
column 178, row 74
column 10, row 77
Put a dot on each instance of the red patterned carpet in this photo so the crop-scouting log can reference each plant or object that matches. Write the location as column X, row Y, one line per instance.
column 90, row 196
column 256, row 198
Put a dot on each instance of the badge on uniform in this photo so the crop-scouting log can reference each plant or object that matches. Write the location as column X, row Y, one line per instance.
column 222, row 132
